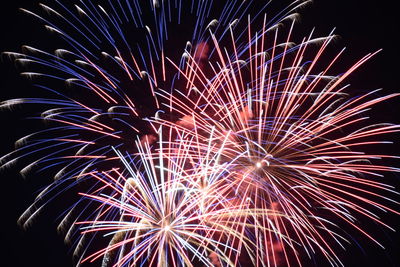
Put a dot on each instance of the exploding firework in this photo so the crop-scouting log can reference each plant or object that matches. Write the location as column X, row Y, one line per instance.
column 197, row 139
column 174, row 209
column 291, row 138
column 112, row 76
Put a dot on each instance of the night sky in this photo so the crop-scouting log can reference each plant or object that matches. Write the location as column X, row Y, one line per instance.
column 364, row 26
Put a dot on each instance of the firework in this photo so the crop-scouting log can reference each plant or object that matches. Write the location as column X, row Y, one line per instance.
column 106, row 77
column 294, row 140
column 173, row 209
column 200, row 140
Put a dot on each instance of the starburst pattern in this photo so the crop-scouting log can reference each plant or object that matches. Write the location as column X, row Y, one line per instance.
column 241, row 148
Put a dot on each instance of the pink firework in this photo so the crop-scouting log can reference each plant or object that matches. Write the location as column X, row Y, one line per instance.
column 201, row 133
column 294, row 139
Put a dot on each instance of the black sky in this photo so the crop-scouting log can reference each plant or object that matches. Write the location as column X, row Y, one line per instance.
column 364, row 26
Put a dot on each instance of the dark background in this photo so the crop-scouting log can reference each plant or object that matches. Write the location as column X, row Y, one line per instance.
column 364, row 26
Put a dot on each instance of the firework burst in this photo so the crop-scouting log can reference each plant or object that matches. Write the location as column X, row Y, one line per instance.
column 239, row 148
column 173, row 209
column 106, row 77
column 294, row 139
